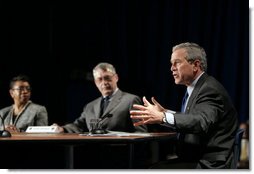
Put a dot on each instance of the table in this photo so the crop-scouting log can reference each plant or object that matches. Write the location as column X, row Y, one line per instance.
column 70, row 141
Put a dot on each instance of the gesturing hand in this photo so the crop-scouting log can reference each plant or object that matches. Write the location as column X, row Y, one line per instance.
column 150, row 113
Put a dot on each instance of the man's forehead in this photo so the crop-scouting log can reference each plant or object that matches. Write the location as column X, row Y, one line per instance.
column 21, row 83
column 178, row 58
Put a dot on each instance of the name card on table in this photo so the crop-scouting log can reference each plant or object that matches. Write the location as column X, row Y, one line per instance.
column 42, row 129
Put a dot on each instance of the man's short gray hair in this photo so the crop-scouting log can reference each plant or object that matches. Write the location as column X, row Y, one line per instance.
column 105, row 67
column 194, row 51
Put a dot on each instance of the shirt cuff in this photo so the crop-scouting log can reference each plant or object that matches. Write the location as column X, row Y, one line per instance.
column 170, row 117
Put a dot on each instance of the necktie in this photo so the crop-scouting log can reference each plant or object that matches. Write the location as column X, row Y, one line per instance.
column 186, row 95
column 104, row 104
column 180, row 136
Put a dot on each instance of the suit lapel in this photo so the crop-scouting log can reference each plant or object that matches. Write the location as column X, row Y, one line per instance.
column 19, row 117
column 97, row 107
column 195, row 91
column 8, row 118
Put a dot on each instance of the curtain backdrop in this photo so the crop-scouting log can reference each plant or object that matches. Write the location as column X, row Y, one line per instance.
column 57, row 43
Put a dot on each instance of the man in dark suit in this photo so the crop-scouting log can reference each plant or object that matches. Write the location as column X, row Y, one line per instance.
column 207, row 123
column 116, row 116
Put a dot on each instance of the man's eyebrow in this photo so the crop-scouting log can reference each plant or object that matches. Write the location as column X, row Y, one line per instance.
column 177, row 59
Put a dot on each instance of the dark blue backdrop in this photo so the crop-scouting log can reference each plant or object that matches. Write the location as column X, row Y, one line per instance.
column 58, row 43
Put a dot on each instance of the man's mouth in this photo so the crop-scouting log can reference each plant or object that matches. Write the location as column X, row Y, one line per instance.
column 175, row 75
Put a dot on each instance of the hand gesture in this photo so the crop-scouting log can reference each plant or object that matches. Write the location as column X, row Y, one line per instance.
column 150, row 113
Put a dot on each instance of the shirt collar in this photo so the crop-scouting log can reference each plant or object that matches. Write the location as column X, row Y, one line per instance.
column 191, row 87
column 110, row 96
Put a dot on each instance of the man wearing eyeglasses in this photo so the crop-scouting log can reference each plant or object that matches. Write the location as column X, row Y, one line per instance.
column 111, row 110
column 23, row 112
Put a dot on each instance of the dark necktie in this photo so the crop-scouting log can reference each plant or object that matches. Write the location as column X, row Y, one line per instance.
column 180, row 136
column 104, row 104
column 186, row 95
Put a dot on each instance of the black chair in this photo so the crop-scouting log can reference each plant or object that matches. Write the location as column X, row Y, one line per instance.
column 237, row 147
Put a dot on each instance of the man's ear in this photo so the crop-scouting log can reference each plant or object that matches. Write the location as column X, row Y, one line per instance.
column 116, row 76
column 196, row 64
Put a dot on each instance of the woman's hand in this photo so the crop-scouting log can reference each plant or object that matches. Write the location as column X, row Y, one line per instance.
column 11, row 128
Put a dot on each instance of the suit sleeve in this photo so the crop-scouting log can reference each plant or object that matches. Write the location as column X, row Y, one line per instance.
column 42, row 117
column 141, row 128
column 78, row 126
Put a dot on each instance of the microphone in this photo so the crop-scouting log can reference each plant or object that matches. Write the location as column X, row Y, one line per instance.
column 97, row 129
column 4, row 133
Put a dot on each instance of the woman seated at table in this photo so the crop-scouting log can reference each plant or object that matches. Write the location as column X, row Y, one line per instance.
column 23, row 112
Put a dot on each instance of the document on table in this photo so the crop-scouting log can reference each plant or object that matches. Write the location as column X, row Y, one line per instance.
column 116, row 133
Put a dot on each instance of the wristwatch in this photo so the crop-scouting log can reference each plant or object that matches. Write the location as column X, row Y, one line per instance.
column 164, row 120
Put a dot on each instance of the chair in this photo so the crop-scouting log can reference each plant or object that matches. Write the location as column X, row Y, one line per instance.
column 237, row 147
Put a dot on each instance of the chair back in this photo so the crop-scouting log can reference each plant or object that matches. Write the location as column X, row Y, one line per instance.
column 237, row 147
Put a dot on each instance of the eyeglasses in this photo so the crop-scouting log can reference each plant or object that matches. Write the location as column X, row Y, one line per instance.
column 23, row 88
column 106, row 78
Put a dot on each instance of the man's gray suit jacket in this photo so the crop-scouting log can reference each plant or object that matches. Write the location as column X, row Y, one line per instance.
column 115, row 118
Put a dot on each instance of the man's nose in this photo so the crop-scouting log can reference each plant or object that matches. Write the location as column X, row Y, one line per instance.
column 172, row 68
